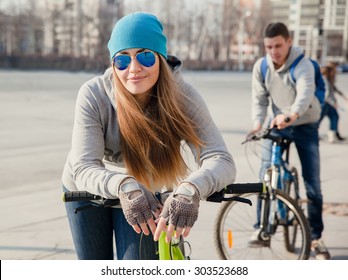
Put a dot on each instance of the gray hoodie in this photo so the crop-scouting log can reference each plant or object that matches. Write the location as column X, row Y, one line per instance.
column 286, row 96
column 94, row 162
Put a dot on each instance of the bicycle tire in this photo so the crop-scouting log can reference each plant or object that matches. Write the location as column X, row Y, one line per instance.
column 291, row 187
column 240, row 218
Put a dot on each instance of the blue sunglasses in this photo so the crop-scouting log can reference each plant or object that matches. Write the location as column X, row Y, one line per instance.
column 145, row 58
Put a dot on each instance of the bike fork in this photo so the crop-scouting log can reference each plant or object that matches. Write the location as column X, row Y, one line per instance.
column 269, row 207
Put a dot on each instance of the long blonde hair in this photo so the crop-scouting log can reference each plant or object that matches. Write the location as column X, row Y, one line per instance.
column 151, row 137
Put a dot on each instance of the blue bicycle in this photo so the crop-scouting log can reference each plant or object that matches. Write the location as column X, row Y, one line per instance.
column 278, row 227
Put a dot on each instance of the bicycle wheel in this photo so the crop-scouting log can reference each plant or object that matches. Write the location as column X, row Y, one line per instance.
column 234, row 227
column 291, row 187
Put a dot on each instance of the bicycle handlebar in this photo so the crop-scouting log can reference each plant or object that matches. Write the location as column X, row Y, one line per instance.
column 266, row 134
column 258, row 136
column 71, row 196
column 80, row 196
column 239, row 188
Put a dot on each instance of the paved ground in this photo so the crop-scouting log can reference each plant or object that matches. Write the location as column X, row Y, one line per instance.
column 36, row 113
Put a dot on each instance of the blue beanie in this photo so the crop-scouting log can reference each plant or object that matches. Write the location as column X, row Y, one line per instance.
column 138, row 30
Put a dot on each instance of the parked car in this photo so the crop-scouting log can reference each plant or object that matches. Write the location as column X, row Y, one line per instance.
column 342, row 68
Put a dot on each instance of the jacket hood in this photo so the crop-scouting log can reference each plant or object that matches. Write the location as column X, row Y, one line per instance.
column 295, row 52
column 107, row 78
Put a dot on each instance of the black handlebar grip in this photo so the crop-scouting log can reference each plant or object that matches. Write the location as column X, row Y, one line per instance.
column 241, row 188
column 79, row 196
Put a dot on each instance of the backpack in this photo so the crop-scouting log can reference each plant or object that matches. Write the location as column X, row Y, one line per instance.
column 319, row 81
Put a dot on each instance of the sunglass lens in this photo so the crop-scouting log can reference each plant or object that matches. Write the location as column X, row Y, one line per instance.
column 122, row 61
column 146, row 59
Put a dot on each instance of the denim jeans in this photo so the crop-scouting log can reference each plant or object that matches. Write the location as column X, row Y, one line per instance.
column 306, row 139
column 94, row 229
column 331, row 112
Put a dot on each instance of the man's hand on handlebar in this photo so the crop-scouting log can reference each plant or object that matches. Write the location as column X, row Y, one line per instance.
column 282, row 121
column 254, row 131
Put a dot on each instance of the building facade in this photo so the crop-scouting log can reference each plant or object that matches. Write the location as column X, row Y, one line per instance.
column 320, row 27
column 227, row 34
column 76, row 28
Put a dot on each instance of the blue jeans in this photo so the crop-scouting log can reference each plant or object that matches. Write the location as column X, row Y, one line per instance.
column 94, row 229
column 306, row 139
column 331, row 112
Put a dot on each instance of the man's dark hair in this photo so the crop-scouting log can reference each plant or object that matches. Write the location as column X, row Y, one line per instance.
column 276, row 29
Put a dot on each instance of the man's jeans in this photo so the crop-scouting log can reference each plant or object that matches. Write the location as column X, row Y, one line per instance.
column 93, row 230
column 306, row 139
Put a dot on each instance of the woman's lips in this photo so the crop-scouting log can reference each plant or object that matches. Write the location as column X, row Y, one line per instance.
column 136, row 78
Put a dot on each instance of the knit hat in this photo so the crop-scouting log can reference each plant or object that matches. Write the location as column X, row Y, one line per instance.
column 138, row 30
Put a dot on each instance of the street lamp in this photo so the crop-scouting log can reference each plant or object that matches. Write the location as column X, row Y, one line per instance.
column 241, row 39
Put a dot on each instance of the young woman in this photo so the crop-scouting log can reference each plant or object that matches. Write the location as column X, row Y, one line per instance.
column 330, row 107
column 130, row 126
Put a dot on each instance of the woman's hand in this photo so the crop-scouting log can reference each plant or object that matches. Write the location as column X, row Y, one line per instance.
column 180, row 210
column 140, row 207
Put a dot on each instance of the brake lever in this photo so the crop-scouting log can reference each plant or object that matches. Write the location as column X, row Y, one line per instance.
column 85, row 207
column 239, row 199
column 257, row 136
column 220, row 196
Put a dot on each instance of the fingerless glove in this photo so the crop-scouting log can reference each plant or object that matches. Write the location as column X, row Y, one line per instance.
column 181, row 207
column 138, row 203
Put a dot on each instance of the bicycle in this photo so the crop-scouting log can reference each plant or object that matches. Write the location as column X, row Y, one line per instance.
column 166, row 251
column 175, row 250
column 281, row 228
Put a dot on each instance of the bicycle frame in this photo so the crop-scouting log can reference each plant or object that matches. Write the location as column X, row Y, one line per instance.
column 280, row 166
column 278, row 163
column 171, row 250
column 275, row 177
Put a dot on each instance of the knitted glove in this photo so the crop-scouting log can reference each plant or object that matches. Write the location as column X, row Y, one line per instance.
column 138, row 203
column 181, row 207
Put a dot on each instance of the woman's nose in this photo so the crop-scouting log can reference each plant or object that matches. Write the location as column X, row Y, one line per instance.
column 134, row 66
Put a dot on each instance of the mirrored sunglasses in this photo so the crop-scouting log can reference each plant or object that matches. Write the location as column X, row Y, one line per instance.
column 145, row 58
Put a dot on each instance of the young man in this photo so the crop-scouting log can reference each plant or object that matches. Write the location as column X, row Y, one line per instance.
column 295, row 102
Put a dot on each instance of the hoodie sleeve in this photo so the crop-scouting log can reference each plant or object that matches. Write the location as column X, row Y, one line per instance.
column 216, row 167
column 88, row 146
column 260, row 95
